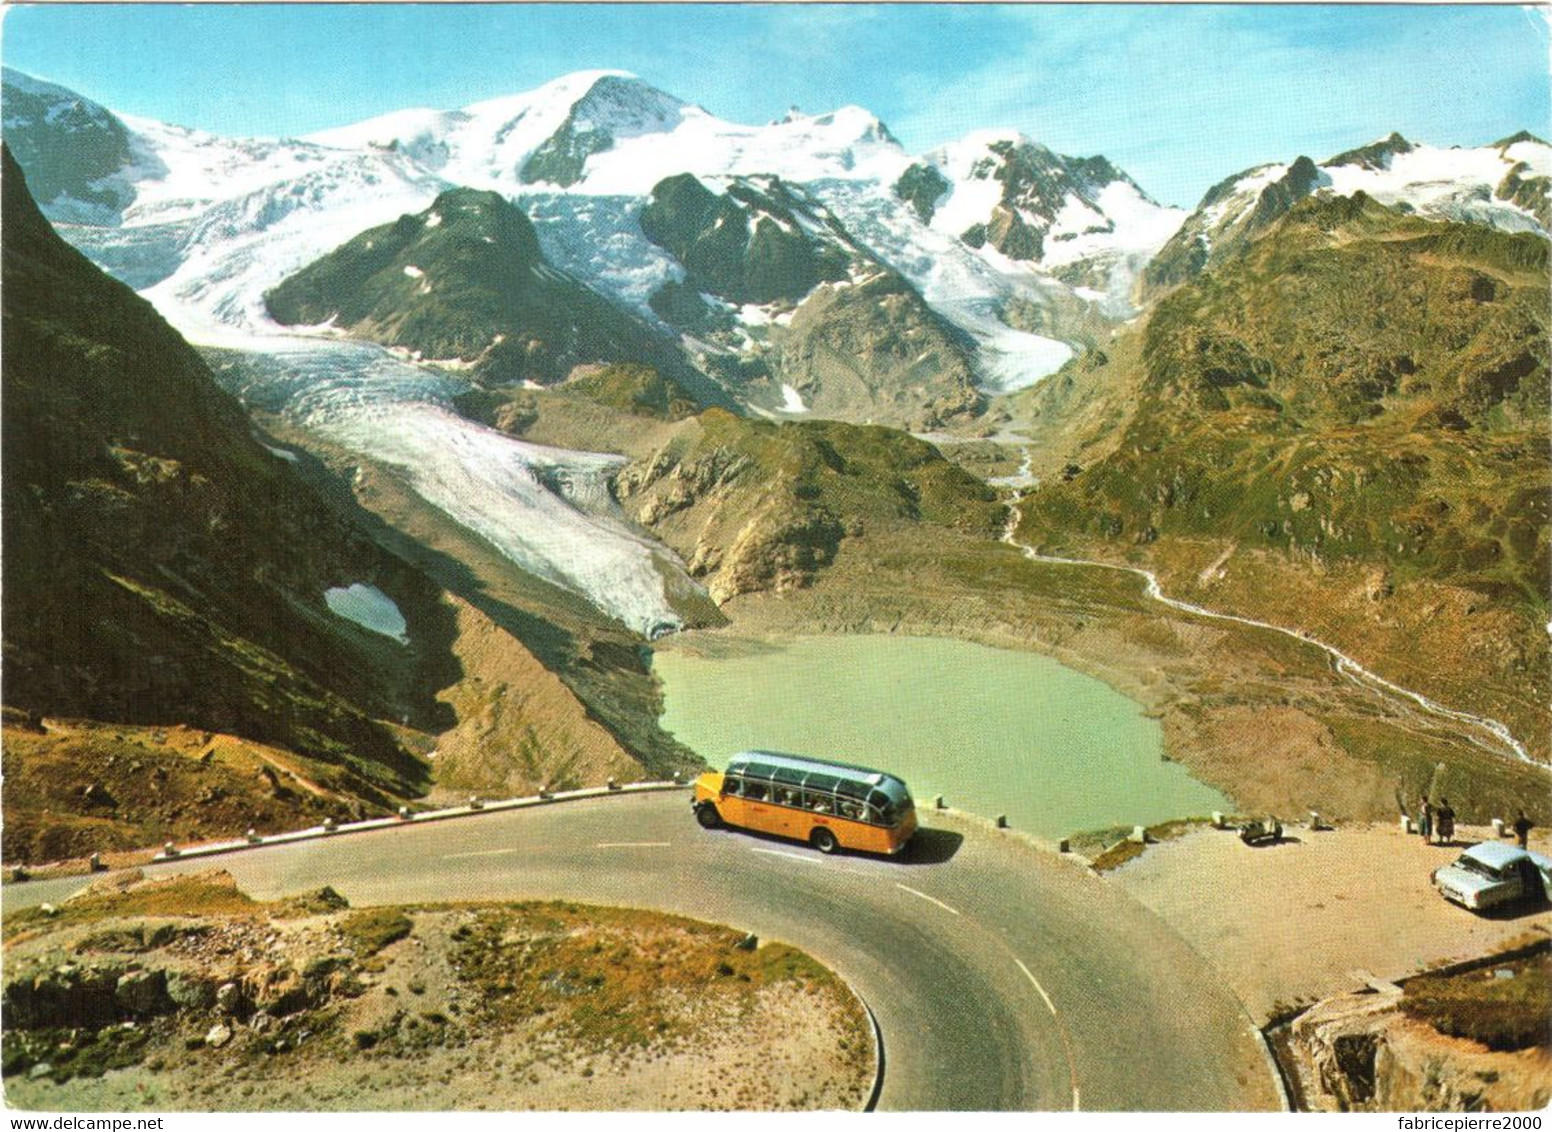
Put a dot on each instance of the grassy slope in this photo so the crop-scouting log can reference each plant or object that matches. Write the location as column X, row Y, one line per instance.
column 1341, row 430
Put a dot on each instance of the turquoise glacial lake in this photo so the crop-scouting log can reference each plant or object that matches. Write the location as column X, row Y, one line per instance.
column 994, row 731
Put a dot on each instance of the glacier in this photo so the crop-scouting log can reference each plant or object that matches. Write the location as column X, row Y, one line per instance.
column 549, row 510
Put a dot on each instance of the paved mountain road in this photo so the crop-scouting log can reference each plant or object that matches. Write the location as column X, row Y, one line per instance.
column 1002, row 978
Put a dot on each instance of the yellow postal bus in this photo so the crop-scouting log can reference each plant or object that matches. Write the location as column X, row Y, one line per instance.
column 830, row 805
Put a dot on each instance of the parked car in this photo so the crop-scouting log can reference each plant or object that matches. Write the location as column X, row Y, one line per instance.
column 1260, row 832
column 1492, row 874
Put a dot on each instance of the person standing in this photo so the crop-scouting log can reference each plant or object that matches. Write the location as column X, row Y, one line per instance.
column 1425, row 818
column 1446, row 818
column 1522, row 827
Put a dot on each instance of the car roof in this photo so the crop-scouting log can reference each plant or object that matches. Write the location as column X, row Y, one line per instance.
column 1495, row 854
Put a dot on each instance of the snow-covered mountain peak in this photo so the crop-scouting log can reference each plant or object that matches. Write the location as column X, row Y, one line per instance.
column 974, row 145
column 559, row 93
column 626, row 107
column 1376, row 155
column 1504, row 185
column 70, row 147
column 1016, row 201
column 28, row 84
column 421, row 133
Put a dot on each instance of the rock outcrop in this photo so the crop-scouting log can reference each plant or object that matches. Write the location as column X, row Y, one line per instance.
column 1360, row 1053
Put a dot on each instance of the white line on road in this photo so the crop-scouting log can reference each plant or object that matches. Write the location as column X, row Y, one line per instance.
column 924, row 896
column 633, row 845
column 1072, row 1070
column 1051, row 1006
column 792, row 856
column 484, row 853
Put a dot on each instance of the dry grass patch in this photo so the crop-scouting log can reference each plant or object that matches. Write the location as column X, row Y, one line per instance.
column 212, row 893
column 1505, row 1006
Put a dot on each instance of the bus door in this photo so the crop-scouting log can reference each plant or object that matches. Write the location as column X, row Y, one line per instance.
column 731, row 804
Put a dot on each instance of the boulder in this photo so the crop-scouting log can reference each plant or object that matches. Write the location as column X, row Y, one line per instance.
column 189, row 991
column 143, row 993
column 229, row 998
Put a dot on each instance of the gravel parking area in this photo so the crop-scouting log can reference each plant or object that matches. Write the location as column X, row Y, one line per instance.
column 1307, row 918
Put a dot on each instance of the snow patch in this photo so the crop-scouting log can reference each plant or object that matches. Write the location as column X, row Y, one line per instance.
column 792, row 400
column 368, row 607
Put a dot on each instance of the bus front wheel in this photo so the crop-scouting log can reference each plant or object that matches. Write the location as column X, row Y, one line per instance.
column 708, row 817
column 823, row 840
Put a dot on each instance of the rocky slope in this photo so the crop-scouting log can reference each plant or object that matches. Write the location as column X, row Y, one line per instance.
column 184, row 992
column 1378, row 1052
column 464, row 283
column 756, row 506
column 804, row 306
column 1357, row 401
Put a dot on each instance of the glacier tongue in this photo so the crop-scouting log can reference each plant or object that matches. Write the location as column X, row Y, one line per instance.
column 547, row 509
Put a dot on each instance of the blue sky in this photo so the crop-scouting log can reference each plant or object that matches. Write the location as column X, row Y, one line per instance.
column 1178, row 95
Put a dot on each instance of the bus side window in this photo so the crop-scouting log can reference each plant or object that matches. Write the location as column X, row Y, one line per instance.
column 786, row 796
column 853, row 810
column 819, row 803
column 754, row 791
column 733, row 786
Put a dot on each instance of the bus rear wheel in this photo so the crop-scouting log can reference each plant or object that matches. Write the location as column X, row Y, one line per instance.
column 823, row 840
column 708, row 817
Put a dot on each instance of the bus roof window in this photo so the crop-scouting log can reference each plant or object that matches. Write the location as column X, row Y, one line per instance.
column 788, row 774
column 851, row 788
column 758, row 770
column 823, row 782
